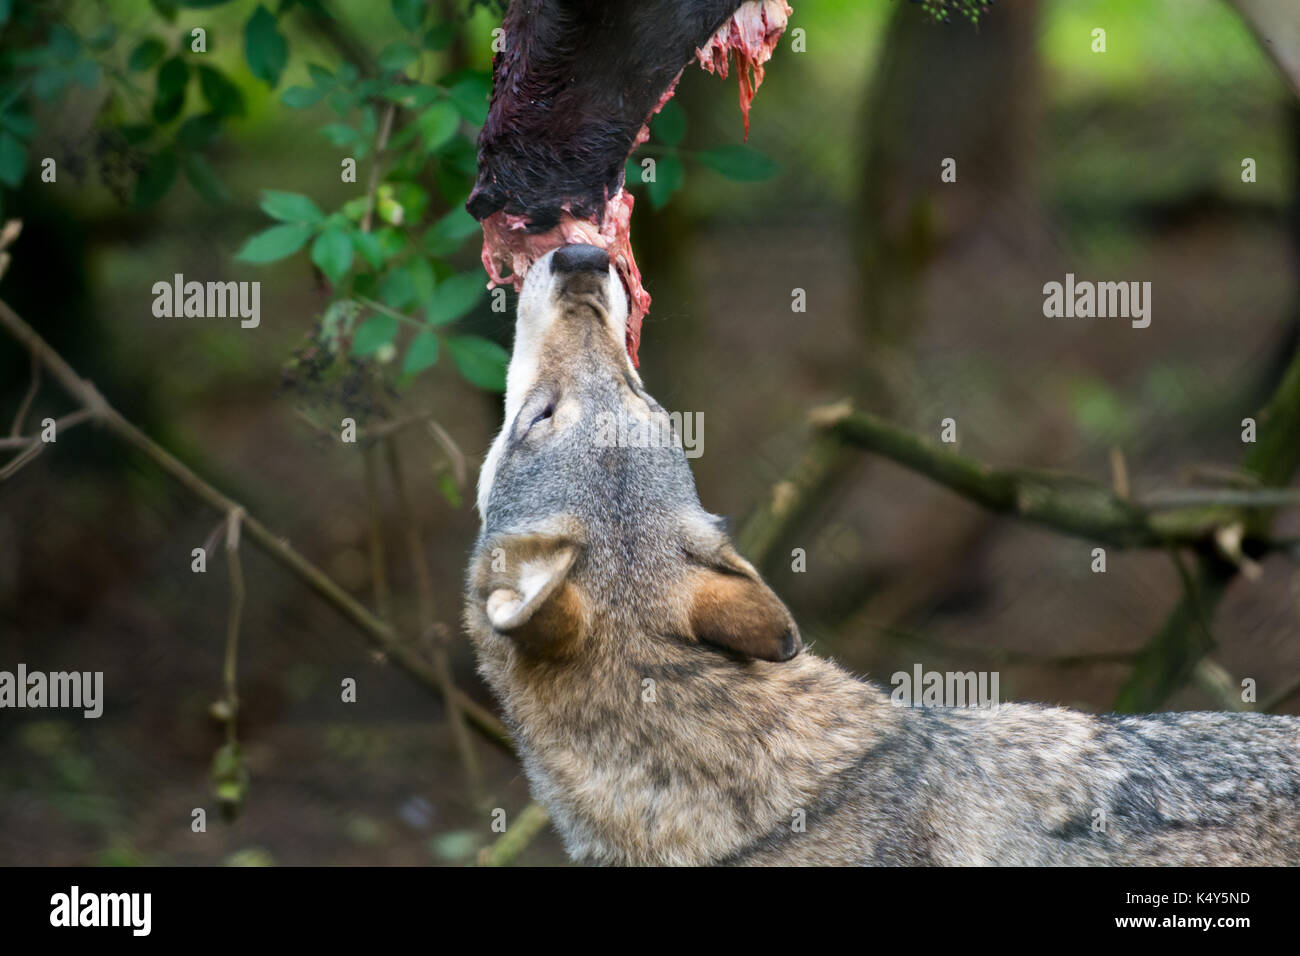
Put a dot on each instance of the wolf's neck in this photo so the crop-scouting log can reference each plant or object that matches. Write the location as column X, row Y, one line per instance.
column 674, row 762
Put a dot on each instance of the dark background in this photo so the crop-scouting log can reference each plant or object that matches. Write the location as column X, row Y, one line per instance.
column 924, row 302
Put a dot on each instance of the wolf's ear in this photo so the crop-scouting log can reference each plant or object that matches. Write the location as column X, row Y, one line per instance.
column 528, row 596
column 733, row 608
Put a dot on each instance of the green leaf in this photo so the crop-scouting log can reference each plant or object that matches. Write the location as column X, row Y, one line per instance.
column 165, row 9
column 409, row 13
column 170, row 97
column 198, row 131
column 20, row 124
column 447, row 485
column 172, row 78
column 365, row 285
column 669, row 174
column 397, row 56
column 275, row 243
column 201, row 176
column 321, row 77
column 373, row 334
column 470, row 94
column 413, row 95
column 86, row 72
column 49, row 82
column 221, row 94
column 481, row 362
column 147, row 53
column 455, row 297
column 422, row 278
column 136, row 133
column 290, row 207
column 413, row 199
column 371, row 249
column 33, row 56
column 342, row 100
column 339, row 134
column 13, row 160
column 155, row 180
column 393, row 241
column 740, row 163
column 440, row 36
column 632, row 173
column 332, row 252
column 669, row 126
column 438, row 124
column 63, row 42
column 301, row 97
column 461, row 156
column 397, row 290
column 454, row 185
column 422, row 353
column 448, row 234
column 355, row 208
column 265, row 46
column 103, row 38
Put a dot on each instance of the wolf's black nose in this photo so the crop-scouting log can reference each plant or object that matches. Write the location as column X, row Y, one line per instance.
column 579, row 258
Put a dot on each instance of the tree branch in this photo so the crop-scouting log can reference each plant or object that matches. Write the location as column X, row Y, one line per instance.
column 32, row 388
column 531, row 821
column 236, row 570
column 380, row 634
column 430, row 629
column 1069, row 504
column 790, row 499
column 1171, row 655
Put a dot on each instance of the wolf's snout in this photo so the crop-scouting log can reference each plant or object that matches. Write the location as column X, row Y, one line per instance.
column 579, row 258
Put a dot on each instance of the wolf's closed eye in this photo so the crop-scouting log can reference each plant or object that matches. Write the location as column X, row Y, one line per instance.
column 544, row 414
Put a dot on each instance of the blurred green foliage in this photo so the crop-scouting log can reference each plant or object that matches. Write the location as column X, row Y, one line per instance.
column 170, row 90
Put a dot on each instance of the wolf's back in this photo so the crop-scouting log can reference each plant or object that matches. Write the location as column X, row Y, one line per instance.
column 1027, row 785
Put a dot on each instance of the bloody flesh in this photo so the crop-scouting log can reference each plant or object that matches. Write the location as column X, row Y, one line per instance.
column 572, row 98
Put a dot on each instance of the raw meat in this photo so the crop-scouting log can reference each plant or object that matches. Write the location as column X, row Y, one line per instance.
column 551, row 172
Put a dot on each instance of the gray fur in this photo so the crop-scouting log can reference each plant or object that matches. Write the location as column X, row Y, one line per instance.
column 608, row 573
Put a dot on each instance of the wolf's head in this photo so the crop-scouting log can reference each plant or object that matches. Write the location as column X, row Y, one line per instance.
column 593, row 536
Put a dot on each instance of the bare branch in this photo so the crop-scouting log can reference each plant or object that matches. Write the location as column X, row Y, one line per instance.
column 381, row 144
column 1170, row 657
column 378, row 562
column 428, row 621
column 24, row 457
column 17, row 428
column 790, row 500
column 1222, row 497
column 1069, row 504
column 1217, row 682
column 380, row 634
column 232, row 623
column 532, row 819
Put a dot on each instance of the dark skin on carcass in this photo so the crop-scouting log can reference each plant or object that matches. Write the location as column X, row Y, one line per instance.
column 573, row 90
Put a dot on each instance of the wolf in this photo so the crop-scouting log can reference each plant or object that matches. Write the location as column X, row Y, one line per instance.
column 666, row 710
